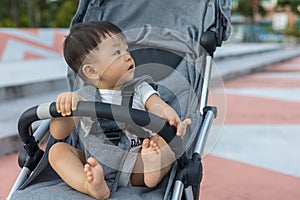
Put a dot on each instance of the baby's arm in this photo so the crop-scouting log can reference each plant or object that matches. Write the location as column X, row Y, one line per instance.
column 157, row 106
column 61, row 127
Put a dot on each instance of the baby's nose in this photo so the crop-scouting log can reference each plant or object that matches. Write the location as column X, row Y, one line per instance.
column 128, row 57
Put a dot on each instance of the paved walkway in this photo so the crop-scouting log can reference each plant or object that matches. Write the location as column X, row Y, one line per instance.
column 257, row 156
column 225, row 160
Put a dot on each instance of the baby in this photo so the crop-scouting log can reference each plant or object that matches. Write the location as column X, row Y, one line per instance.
column 98, row 53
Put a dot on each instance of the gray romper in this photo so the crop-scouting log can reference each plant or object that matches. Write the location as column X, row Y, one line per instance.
column 116, row 159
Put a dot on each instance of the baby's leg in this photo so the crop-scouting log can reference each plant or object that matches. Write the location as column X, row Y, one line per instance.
column 68, row 162
column 157, row 159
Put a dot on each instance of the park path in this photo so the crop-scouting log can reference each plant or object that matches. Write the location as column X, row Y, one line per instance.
column 258, row 154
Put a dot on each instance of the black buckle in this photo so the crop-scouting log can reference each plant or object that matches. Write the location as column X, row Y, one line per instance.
column 111, row 129
column 114, row 135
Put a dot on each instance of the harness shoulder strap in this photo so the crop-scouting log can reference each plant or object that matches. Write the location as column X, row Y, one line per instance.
column 128, row 89
column 127, row 100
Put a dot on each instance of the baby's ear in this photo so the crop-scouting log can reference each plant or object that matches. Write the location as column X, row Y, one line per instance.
column 90, row 72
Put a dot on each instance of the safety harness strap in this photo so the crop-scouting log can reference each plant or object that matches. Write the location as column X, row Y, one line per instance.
column 111, row 129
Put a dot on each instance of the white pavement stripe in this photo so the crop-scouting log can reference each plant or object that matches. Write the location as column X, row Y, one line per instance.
column 292, row 94
column 288, row 75
column 274, row 147
column 32, row 71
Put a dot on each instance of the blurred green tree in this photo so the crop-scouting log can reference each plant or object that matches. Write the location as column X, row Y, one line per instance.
column 295, row 5
column 37, row 13
column 250, row 8
column 65, row 13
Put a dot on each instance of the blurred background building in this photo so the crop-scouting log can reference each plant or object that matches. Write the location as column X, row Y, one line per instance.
column 266, row 21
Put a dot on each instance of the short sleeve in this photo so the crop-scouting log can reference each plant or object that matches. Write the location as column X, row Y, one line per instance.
column 143, row 91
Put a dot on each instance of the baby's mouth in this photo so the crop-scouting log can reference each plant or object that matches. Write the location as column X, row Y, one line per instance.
column 131, row 67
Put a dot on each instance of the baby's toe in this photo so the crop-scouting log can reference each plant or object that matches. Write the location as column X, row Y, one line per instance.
column 87, row 167
column 92, row 161
column 146, row 143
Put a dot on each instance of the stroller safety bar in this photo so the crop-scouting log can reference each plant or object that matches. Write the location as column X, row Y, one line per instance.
column 130, row 116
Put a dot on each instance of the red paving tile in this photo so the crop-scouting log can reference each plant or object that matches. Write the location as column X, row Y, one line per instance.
column 226, row 179
column 262, row 81
column 243, row 109
column 287, row 67
column 254, row 110
column 290, row 65
column 9, row 170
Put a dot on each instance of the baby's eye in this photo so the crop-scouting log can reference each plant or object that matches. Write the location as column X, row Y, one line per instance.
column 118, row 52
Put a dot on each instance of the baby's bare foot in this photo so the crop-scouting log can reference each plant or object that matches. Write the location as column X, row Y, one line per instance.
column 157, row 158
column 95, row 183
column 151, row 157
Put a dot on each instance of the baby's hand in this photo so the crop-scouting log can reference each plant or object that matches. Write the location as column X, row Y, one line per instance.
column 66, row 102
column 168, row 113
column 160, row 108
column 172, row 117
column 180, row 125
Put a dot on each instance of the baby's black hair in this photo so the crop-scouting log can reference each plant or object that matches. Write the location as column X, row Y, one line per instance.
column 83, row 38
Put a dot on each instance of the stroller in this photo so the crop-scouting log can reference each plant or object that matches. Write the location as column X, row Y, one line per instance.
column 165, row 44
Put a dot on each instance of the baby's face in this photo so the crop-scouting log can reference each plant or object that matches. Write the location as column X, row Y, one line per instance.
column 115, row 64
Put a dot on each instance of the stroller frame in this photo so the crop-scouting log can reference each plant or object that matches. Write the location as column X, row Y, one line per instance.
column 188, row 176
